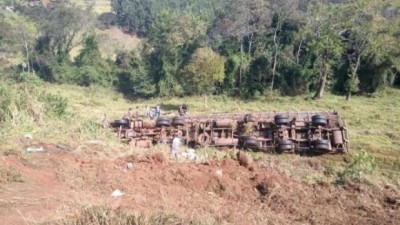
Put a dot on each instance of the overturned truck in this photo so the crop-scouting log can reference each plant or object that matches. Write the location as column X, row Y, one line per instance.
column 296, row 132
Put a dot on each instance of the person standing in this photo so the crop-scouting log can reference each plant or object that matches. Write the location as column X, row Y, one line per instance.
column 181, row 112
column 135, row 113
column 176, row 142
column 129, row 114
column 147, row 111
column 104, row 120
column 184, row 108
column 158, row 110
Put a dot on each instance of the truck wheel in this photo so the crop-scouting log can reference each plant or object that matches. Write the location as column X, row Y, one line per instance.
column 321, row 145
column 285, row 145
column 319, row 120
column 121, row 122
column 281, row 120
column 250, row 142
column 163, row 121
column 178, row 121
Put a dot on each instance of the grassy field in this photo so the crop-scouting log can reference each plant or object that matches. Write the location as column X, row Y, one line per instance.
column 99, row 6
column 373, row 122
column 367, row 177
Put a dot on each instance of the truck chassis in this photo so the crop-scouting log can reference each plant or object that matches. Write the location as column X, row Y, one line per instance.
column 308, row 132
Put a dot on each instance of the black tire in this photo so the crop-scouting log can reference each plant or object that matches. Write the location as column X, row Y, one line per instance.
column 249, row 142
column 178, row 121
column 121, row 122
column 319, row 120
column 163, row 121
column 321, row 145
column 281, row 120
column 285, row 145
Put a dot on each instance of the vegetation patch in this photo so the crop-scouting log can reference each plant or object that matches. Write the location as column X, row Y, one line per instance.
column 9, row 175
column 95, row 215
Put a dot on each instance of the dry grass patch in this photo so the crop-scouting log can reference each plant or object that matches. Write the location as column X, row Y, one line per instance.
column 8, row 175
column 95, row 215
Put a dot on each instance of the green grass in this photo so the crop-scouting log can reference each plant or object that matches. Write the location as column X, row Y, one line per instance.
column 373, row 122
column 99, row 6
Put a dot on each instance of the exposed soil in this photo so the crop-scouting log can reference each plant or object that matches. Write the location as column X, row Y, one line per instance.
column 58, row 183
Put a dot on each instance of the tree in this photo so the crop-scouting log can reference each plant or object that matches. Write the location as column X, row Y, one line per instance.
column 133, row 15
column 241, row 21
column 205, row 69
column 326, row 44
column 63, row 26
column 283, row 12
column 17, row 36
column 133, row 74
column 93, row 69
column 138, row 15
column 173, row 35
column 367, row 33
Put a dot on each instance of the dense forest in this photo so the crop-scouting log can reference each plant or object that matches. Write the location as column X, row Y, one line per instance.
column 244, row 48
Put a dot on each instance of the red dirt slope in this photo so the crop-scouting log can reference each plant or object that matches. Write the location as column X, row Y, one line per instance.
column 58, row 184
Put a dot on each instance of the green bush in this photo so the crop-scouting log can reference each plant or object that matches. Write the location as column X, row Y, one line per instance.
column 27, row 77
column 91, row 129
column 25, row 102
column 55, row 105
column 360, row 163
column 19, row 101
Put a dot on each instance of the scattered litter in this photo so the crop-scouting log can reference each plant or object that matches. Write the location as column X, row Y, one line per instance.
column 189, row 154
column 95, row 142
column 219, row 173
column 117, row 193
column 201, row 159
column 65, row 147
column 34, row 149
column 129, row 166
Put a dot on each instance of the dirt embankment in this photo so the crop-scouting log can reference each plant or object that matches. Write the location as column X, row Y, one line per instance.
column 57, row 185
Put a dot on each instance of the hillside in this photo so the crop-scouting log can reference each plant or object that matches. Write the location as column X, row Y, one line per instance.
column 69, row 67
column 71, row 182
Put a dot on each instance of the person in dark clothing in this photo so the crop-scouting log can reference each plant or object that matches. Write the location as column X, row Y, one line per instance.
column 158, row 110
column 182, row 110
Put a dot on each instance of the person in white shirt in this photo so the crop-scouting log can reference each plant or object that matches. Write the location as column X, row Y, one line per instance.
column 176, row 142
column 158, row 110
column 147, row 112
column 104, row 120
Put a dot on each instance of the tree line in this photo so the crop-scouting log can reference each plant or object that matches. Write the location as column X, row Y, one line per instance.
column 245, row 48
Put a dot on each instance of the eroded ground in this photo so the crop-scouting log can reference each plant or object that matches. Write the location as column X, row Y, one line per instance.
column 50, row 186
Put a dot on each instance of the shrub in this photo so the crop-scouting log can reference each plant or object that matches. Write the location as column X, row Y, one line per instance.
column 27, row 77
column 91, row 129
column 55, row 105
column 102, row 215
column 360, row 163
column 18, row 101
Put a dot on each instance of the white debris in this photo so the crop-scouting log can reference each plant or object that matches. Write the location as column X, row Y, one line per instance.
column 129, row 166
column 10, row 8
column 201, row 159
column 219, row 173
column 189, row 154
column 34, row 149
column 95, row 142
column 117, row 193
